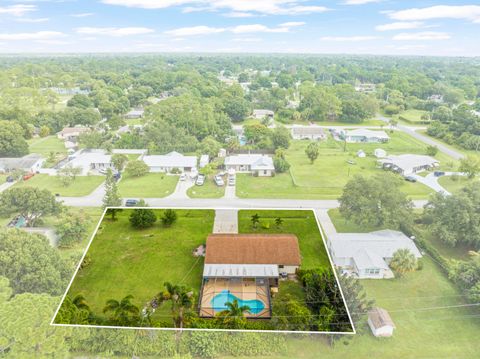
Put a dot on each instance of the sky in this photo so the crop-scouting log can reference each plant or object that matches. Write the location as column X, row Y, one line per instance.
column 378, row 27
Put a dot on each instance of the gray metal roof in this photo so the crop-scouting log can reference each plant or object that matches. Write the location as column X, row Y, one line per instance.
column 240, row 270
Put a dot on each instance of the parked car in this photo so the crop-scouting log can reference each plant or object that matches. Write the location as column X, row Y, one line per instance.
column 28, row 176
column 231, row 181
column 117, row 176
column 131, row 202
column 10, row 179
column 200, row 180
column 183, row 177
column 410, row 179
column 439, row 173
column 219, row 181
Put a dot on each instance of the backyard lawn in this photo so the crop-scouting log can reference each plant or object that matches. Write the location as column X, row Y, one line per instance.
column 412, row 117
column 128, row 261
column 81, row 186
column 423, row 329
column 148, row 186
column 44, row 146
column 208, row 190
column 301, row 223
column 326, row 178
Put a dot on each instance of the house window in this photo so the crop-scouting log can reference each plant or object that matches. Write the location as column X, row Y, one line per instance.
column 280, row 266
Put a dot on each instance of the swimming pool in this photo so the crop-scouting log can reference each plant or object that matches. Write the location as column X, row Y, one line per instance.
column 219, row 302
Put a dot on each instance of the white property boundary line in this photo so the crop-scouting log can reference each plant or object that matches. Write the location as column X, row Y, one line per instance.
column 201, row 329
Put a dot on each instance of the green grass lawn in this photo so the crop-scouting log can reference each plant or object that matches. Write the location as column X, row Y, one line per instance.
column 208, row 190
column 452, row 146
column 148, row 186
column 326, row 178
column 420, row 332
column 82, row 186
column 368, row 122
column 129, row 261
column 412, row 116
column 44, row 146
column 455, row 184
column 301, row 223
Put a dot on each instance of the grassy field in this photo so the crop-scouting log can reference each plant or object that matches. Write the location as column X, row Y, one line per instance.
column 151, row 185
column 455, row 184
column 412, row 116
column 82, row 186
column 326, row 178
column 452, row 146
column 46, row 145
column 425, row 328
column 128, row 261
column 208, row 190
column 300, row 223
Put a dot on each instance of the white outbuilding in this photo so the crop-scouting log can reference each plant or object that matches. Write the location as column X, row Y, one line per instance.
column 380, row 322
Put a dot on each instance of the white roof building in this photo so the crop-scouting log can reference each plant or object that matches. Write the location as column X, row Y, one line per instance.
column 260, row 114
column 409, row 164
column 308, row 132
column 28, row 163
column 90, row 159
column 170, row 161
column 366, row 135
column 261, row 165
column 367, row 255
column 135, row 113
column 204, row 160
column 380, row 322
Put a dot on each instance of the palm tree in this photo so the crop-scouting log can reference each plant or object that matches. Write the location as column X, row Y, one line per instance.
column 181, row 299
column 403, row 261
column 234, row 314
column 278, row 222
column 255, row 220
column 80, row 302
column 124, row 312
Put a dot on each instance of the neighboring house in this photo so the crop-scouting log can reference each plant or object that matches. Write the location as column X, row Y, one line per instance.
column 171, row 161
column 135, row 113
column 126, row 151
column 380, row 322
column 380, row 153
column 258, row 165
column 72, row 133
column 367, row 255
column 409, row 164
column 204, row 160
column 363, row 135
column 96, row 160
column 246, row 267
column 29, row 163
column 436, row 98
column 261, row 114
column 308, row 133
column 128, row 129
column 365, row 88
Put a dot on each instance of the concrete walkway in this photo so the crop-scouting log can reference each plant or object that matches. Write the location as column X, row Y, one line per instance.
column 326, row 222
column 226, row 221
column 230, row 192
column 6, row 185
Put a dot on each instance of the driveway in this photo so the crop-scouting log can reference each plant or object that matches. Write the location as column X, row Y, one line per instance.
column 326, row 222
column 182, row 188
column 226, row 221
column 432, row 181
column 230, row 192
column 6, row 185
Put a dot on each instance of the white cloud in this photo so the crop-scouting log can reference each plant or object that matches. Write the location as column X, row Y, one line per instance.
column 348, row 38
column 237, row 14
column 31, row 20
column 113, row 31
column 40, row 35
column 247, row 39
column 83, row 14
column 360, row 2
column 402, row 25
column 270, row 7
column 422, row 36
column 466, row 12
column 194, row 31
column 17, row 10
column 292, row 24
column 243, row 29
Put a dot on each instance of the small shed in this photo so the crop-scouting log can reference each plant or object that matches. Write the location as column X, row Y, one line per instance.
column 204, row 160
column 380, row 322
column 361, row 154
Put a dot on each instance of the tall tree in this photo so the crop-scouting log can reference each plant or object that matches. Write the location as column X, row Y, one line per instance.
column 312, row 151
column 112, row 197
column 12, row 143
column 119, row 161
column 403, row 261
column 122, row 312
column 181, row 299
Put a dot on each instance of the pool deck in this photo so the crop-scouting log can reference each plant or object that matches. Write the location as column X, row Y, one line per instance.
column 246, row 289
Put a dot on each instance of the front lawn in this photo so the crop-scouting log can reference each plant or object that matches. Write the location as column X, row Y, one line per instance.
column 454, row 184
column 412, row 117
column 126, row 261
column 46, row 145
column 152, row 185
column 208, row 190
column 301, row 223
column 423, row 306
column 326, row 178
column 81, row 186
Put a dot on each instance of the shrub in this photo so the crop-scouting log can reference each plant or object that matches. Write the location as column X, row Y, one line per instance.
column 143, row 218
column 169, row 217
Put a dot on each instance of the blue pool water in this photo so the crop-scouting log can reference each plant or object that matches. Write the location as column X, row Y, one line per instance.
column 219, row 302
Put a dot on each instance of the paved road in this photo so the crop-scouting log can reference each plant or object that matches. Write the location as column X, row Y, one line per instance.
column 6, row 185
column 427, row 140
